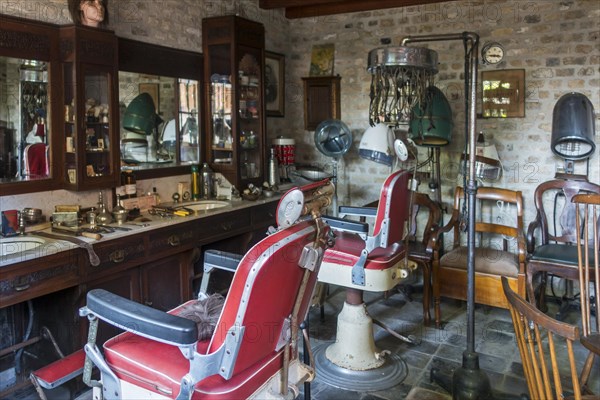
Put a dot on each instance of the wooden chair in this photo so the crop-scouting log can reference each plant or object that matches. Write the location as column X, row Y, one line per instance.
column 500, row 250
column 550, row 237
column 540, row 338
column 586, row 222
column 422, row 248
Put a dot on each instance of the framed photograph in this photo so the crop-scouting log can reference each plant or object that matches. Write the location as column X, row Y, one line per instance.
column 503, row 93
column 100, row 144
column 274, row 84
column 152, row 90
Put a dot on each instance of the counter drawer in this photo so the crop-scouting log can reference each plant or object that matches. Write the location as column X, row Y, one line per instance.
column 178, row 236
column 223, row 225
column 119, row 252
column 25, row 281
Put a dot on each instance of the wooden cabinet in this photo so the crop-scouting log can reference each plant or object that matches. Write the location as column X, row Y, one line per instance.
column 321, row 100
column 166, row 282
column 91, row 113
column 40, row 276
column 234, row 57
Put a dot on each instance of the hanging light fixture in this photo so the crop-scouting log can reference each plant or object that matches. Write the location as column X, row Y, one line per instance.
column 400, row 78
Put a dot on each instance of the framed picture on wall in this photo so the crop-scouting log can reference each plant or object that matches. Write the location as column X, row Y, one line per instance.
column 503, row 93
column 274, row 84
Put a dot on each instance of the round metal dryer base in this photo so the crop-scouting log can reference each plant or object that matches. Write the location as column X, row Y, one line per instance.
column 393, row 371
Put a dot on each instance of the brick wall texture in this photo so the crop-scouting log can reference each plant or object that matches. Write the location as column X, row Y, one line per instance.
column 557, row 43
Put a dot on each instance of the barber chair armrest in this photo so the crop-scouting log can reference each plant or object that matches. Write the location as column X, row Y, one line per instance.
column 358, row 211
column 140, row 319
column 341, row 224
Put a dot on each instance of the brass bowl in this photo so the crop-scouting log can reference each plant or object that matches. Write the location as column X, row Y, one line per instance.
column 120, row 215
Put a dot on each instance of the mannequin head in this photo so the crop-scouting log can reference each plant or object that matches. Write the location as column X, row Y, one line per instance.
column 92, row 13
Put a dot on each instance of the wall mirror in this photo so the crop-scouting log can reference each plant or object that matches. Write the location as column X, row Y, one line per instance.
column 27, row 131
column 160, row 108
column 24, row 133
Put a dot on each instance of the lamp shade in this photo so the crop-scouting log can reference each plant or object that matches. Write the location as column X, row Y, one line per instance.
column 377, row 144
column 140, row 115
column 573, row 127
column 431, row 123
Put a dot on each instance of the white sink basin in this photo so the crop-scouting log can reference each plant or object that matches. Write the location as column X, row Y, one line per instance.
column 204, row 205
column 19, row 244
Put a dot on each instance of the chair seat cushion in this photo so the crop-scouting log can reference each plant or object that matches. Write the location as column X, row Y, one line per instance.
column 348, row 247
column 487, row 260
column 159, row 367
column 559, row 254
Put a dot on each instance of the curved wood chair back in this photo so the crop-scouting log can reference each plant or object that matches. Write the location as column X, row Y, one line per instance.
column 541, row 339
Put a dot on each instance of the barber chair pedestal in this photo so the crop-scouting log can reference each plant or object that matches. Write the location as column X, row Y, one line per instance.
column 353, row 362
column 354, row 348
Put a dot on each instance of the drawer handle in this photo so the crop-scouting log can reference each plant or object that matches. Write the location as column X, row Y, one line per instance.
column 117, row 256
column 227, row 226
column 21, row 287
column 174, row 240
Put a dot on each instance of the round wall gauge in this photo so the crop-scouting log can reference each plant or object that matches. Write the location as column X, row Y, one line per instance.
column 492, row 53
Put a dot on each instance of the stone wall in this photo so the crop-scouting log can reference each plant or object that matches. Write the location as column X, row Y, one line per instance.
column 555, row 42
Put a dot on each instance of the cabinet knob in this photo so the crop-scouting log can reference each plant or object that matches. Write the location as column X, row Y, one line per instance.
column 227, row 226
column 174, row 240
column 117, row 256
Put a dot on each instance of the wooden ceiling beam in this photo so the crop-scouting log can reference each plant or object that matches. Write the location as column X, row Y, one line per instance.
column 270, row 4
column 314, row 8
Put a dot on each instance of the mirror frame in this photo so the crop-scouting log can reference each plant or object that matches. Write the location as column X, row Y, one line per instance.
column 167, row 62
column 34, row 40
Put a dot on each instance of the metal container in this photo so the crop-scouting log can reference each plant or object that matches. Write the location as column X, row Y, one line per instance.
column 208, row 182
column 273, row 169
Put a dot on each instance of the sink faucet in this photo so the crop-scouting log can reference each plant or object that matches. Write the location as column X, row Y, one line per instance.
column 21, row 223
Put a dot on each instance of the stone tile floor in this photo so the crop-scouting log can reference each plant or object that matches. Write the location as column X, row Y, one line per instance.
column 494, row 341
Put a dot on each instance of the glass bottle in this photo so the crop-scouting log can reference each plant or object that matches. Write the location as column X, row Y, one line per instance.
column 128, row 181
column 208, row 178
column 195, row 183
column 103, row 217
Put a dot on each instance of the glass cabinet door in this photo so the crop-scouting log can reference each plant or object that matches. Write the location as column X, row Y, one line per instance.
column 233, row 64
column 88, row 128
column 249, row 113
column 89, row 108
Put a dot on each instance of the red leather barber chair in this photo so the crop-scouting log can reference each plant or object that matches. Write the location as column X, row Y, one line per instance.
column 362, row 262
column 253, row 350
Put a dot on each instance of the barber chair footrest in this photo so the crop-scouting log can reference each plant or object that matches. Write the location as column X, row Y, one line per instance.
column 60, row 371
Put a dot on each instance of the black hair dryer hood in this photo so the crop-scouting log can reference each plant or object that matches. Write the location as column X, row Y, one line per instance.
column 573, row 127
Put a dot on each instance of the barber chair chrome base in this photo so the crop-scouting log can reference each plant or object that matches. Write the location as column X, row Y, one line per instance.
column 361, row 262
